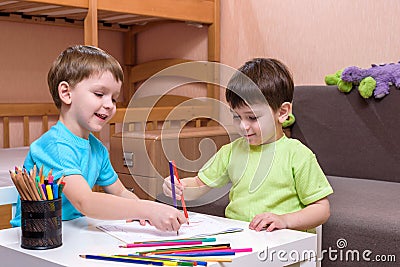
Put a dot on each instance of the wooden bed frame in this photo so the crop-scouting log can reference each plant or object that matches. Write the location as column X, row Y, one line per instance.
column 24, row 114
column 130, row 17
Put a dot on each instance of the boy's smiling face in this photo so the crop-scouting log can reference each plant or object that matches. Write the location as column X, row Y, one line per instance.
column 90, row 104
column 257, row 123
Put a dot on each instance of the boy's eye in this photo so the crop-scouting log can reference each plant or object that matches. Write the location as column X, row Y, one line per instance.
column 114, row 100
column 236, row 117
column 98, row 94
column 253, row 118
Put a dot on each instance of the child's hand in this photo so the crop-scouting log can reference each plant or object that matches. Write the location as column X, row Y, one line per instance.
column 141, row 222
column 167, row 187
column 165, row 218
column 268, row 221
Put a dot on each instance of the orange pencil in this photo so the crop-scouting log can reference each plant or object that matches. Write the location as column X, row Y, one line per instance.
column 23, row 186
column 60, row 180
column 182, row 198
column 41, row 176
column 19, row 189
column 33, row 172
column 31, row 187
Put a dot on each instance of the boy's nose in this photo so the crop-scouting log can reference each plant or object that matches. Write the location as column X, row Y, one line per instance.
column 108, row 103
column 244, row 125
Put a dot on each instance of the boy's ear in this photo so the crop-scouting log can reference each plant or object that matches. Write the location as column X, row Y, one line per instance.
column 64, row 91
column 284, row 111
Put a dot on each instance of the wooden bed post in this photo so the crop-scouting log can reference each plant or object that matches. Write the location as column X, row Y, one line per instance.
column 214, row 56
column 90, row 25
column 129, row 62
column 91, row 30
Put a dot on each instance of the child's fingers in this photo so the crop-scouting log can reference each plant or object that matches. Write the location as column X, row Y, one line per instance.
column 271, row 227
column 167, row 188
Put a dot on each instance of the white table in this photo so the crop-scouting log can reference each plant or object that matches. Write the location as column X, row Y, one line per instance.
column 80, row 236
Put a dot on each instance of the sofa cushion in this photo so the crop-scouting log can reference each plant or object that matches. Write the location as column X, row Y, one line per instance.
column 366, row 214
column 351, row 136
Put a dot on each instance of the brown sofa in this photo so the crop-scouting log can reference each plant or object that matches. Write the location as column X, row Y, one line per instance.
column 357, row 144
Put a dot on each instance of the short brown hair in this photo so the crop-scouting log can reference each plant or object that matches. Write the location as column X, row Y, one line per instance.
column 77, row 63
column 268, row 76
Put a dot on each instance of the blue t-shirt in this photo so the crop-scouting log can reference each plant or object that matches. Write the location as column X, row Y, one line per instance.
column 67, row 154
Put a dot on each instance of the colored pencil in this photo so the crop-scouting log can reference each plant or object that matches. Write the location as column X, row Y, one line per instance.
column 159, row 244
column 199, row 259
column 203, row 253
column 182, row 198
column 49, row 192
column 204, row 239
column 116, row 259
column 180, row 262
column 170, row 250
column 44, row 191
column 191, row 249
column 30, row 187
column 171, row 174
column 41, row 175
column 19, row 189
column 44, row 196
column 55, row 191
column 236, row 250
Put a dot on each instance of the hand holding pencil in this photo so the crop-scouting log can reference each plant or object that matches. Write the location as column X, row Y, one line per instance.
column 182, row 198
column 179, row 187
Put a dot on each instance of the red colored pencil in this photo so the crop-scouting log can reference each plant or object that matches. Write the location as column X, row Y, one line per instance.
column 182, row 198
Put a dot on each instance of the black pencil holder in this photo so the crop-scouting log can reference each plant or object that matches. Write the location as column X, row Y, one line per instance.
column 41, row 224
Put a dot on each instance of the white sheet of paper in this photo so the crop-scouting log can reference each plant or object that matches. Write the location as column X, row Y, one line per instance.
column 200, row 225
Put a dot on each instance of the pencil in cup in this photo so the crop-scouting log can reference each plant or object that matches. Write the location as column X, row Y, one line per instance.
column 31, row 188
column 41, row 224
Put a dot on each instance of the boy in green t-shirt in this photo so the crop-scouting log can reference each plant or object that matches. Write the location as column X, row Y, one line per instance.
column 276, row 181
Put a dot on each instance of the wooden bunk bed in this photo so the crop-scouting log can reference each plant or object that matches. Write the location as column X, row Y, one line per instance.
column 130, row 17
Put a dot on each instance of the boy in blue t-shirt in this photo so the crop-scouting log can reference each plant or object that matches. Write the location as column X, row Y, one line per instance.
column 85, row 82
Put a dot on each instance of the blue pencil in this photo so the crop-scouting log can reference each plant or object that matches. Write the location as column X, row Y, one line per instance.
column 107, row 258
column 171, row 173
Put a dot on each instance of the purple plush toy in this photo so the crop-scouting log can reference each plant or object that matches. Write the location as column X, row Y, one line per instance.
column 384, row 75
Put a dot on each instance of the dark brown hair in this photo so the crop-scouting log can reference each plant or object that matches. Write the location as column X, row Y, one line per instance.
column 77, row 63
column 265, row 78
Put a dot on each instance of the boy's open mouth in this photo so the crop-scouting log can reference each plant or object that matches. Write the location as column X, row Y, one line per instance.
column 101, row 116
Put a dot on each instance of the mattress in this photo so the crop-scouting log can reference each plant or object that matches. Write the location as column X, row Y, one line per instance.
column 9, row 158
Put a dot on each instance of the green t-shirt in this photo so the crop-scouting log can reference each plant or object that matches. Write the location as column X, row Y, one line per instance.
column 280, row 177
